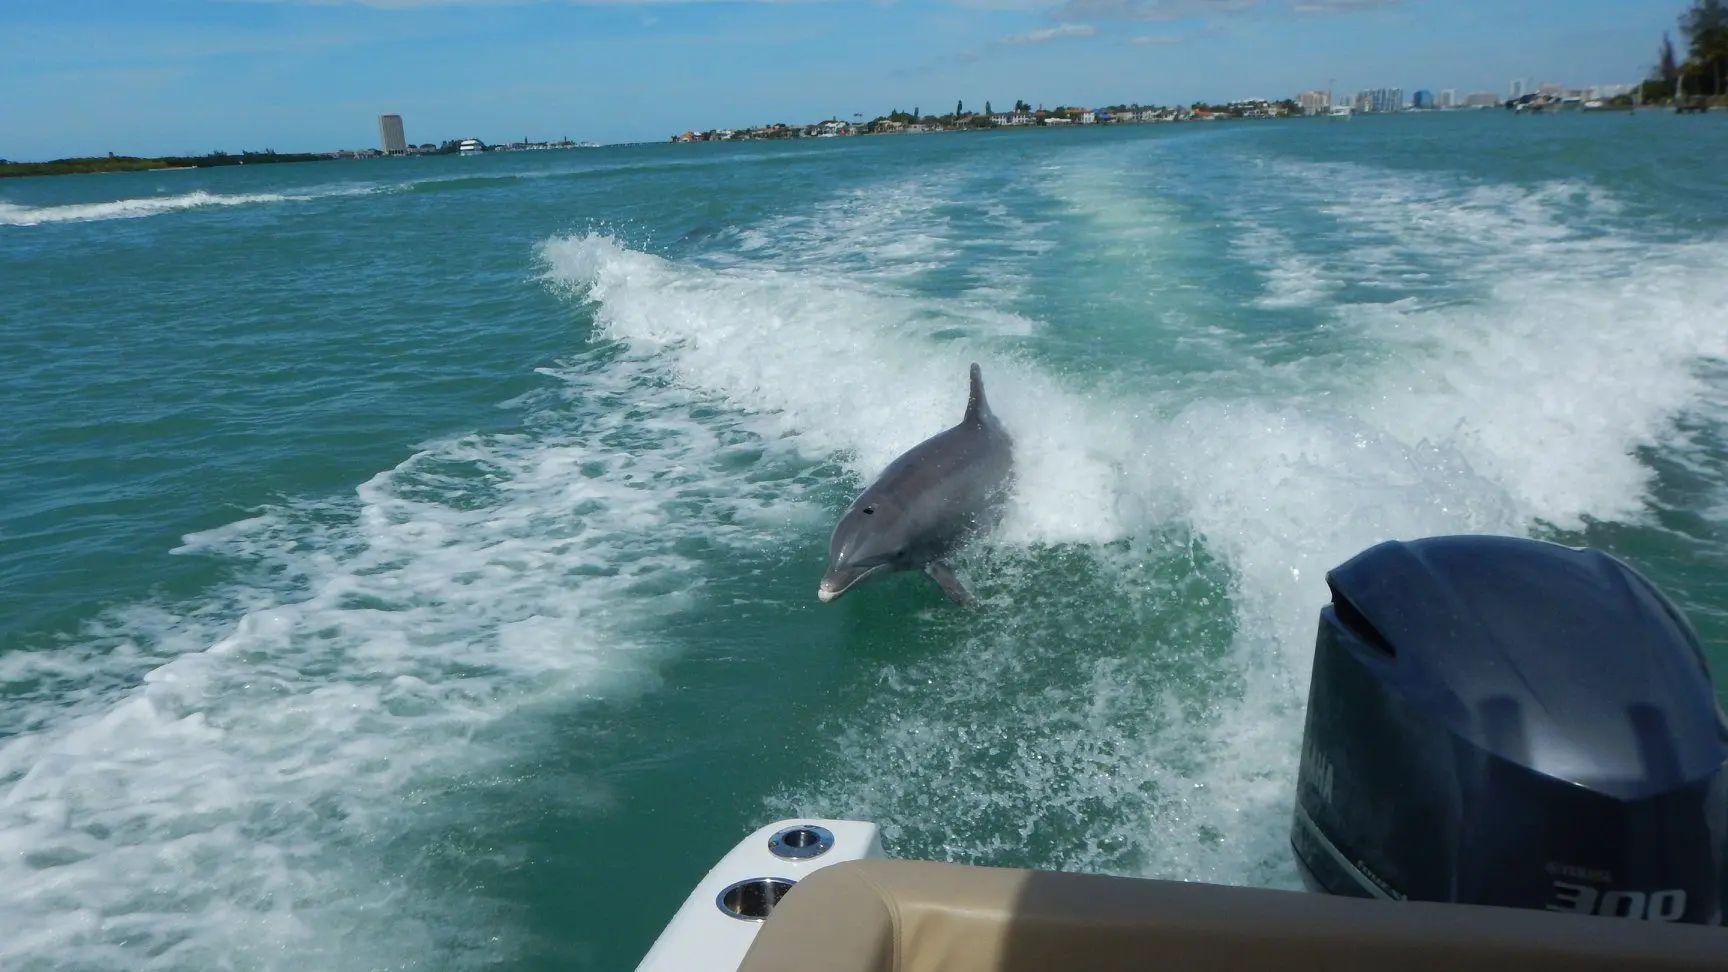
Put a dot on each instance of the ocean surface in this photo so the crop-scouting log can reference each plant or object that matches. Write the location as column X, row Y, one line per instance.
column 413, row 563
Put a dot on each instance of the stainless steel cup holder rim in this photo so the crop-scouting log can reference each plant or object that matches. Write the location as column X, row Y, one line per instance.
column 753, row 899
column 801, row 842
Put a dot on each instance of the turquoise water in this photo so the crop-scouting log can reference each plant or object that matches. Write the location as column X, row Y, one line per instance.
column 412, row 563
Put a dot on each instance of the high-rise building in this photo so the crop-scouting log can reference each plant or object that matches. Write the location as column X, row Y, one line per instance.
column 1422, row 100
column 390, row 133
column 1448, row 99
column 1482, row 99
column 1315, row 102
column 1380, row 100
column 1517, row 88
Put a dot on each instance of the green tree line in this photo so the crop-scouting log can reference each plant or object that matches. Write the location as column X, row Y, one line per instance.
column 1705, row 68
column 132, row 163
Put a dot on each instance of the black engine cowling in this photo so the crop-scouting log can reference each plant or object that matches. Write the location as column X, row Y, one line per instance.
column 1509, row 722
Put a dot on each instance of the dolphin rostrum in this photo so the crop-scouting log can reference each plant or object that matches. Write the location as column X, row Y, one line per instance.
column 927, row 503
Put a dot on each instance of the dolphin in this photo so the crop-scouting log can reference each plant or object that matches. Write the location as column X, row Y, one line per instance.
column 926, row 504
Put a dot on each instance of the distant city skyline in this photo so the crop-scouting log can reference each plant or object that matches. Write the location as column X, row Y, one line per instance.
column 1393, row 99
column 156, row 77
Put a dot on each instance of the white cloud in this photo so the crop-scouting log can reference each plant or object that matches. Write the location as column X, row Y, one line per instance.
column 1172, row 10
column 1155, row 39
column 1155, row 10
column 421, row 4
column 1058, row 32
column 1023, row 6
column 1339, row 6
column 394, row 4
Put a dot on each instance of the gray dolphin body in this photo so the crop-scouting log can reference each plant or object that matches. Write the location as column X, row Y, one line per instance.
column 926, row 504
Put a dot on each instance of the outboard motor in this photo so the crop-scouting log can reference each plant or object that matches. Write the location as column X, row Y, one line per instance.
column 1508, row 722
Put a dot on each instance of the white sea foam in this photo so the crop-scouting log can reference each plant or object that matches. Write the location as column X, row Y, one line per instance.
column 962, row 240
column 1561, row 346
column 1415, row 238
column 182, row 791
column 1293, row 279
column 12, row 214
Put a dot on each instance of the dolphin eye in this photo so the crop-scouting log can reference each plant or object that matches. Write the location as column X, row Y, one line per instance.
column 868, row 510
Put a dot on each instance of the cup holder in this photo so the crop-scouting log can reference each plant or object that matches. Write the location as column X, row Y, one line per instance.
column 801, row 843
column 753, row 900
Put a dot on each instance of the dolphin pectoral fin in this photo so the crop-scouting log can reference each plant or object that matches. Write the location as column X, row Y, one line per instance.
column 943, row 575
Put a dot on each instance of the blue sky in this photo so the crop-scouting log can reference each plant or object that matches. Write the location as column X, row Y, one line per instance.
column 169, row 76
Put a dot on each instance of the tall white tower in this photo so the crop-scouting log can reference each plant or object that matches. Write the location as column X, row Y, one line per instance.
column 390, row 134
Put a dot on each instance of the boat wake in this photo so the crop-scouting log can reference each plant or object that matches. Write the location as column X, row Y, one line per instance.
column 1155, row 586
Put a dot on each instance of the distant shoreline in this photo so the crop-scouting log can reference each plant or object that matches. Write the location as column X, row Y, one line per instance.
column 168, row 163
column 165, row 168
column 127, row 163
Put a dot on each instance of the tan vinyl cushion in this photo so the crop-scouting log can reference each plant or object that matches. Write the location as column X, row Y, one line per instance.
column 916, row 916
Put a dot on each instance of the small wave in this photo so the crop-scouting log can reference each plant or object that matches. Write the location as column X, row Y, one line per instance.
column 458, row 183
column 12, row 214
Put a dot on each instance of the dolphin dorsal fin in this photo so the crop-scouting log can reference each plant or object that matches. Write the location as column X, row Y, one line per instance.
column 977, row 409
